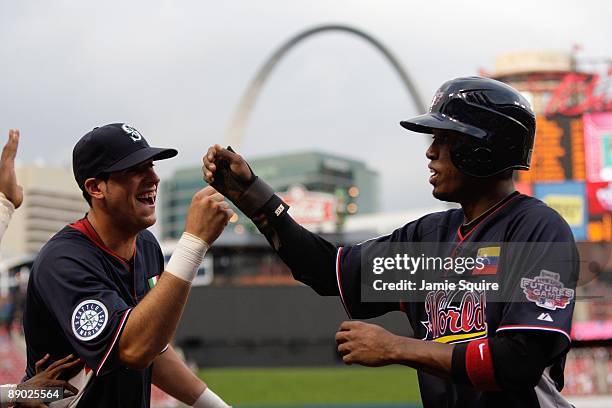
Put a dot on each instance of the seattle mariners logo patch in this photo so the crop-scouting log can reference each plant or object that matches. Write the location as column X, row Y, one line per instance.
column 89, row 319
column 547, row 291
column 133, row 133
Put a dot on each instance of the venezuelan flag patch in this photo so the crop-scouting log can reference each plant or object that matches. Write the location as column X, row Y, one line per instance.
column 490, row 258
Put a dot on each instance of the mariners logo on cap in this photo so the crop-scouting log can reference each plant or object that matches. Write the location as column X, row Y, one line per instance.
column 133, row 133
column 89, row 319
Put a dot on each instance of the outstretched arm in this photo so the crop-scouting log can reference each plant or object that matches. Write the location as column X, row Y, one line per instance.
column 312, row 259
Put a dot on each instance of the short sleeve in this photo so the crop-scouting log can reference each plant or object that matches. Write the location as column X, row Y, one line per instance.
column 348, row 275
column 86, row 305
column 541, row 270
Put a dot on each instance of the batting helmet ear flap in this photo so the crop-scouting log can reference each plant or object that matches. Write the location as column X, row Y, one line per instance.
column 470, row 154
column 483, row 155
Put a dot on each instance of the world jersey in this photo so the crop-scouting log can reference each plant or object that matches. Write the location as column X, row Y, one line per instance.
column 461, row 316
column 80, row 295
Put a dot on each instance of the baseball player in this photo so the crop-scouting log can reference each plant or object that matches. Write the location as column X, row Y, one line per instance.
column 97, row 289
column 468, row 350
column 11, row 197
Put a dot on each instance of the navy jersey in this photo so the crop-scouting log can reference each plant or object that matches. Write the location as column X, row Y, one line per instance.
column 80, row 295
column 461, row 316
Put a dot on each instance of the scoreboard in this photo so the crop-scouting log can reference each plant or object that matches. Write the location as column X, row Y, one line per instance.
column 559, row 151
column 571, row 170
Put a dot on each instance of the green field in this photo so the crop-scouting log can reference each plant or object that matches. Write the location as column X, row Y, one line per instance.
column 316, row 387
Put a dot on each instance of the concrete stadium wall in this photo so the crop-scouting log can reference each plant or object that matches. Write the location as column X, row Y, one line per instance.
column 265, row 326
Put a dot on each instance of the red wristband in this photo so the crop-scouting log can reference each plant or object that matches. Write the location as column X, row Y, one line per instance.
column 479, row 365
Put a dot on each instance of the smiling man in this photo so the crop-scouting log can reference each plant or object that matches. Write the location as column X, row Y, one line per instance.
column 90, row 290
column 469, row 351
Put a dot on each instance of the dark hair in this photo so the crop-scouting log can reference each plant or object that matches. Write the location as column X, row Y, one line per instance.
column 103, row 177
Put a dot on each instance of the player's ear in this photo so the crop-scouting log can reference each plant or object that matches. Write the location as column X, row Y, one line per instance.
column 94, row 187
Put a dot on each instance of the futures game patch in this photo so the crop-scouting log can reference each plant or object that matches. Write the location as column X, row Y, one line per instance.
column 547, row 290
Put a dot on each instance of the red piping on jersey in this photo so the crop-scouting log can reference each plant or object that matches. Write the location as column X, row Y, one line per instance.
column 123, row 320
column 479, row 365
column 462, row 238
column 84, row 226
column 533, row 327
column 339, row 280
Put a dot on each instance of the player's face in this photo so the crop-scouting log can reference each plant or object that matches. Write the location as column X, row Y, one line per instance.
column 446, row 179
column 131, row 196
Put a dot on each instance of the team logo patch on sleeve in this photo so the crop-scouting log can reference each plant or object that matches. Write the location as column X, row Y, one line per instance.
column 89, row 319
column 547, row 291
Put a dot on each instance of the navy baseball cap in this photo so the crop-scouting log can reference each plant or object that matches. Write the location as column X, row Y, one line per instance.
column 112, row 148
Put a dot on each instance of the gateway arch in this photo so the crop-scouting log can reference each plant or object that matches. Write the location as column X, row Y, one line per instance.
column 235, row 132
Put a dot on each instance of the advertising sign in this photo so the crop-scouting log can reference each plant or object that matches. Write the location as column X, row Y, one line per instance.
column 569, row 200
column 599, row 197
column 313, row 210
column 598, row 146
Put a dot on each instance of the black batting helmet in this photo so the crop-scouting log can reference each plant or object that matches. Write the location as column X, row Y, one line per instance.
column 497, row 120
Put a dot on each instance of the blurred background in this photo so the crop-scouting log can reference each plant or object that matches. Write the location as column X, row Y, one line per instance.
column 311, row 93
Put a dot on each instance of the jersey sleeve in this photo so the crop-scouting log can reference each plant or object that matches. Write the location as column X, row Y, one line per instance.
column 540, row 270
column 78, row 293
column 349, row 278
column 154, row 272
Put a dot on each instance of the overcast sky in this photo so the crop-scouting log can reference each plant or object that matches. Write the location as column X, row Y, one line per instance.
column 176, row 70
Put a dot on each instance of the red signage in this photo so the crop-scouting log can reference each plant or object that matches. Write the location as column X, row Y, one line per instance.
column 311, row 209
column 578, row 93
